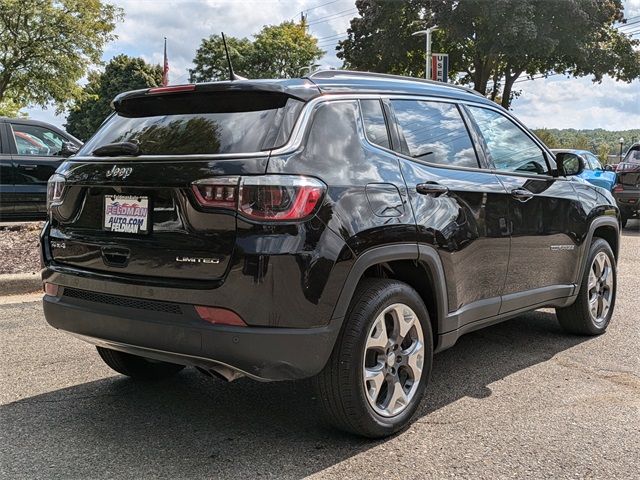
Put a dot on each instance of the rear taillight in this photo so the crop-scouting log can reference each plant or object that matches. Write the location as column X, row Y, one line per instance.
column 219, row 192
column 618, row 188
column 280, row 198
column 55, row 190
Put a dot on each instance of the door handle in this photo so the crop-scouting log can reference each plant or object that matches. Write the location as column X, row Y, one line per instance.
column 521, row 194
column 28, row 167
column 431, row 188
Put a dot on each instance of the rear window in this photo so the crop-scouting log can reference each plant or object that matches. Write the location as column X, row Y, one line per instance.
column 203, row 124
column 633, row 155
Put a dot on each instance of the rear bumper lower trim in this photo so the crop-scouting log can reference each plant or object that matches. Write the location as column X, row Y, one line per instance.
column 263, row 353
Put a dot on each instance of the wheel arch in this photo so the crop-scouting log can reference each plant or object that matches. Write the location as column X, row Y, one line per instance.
column 418, row 266
column 607, row 228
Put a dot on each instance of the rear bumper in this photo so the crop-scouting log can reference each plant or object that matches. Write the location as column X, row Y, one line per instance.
column 628, row 201
column 180, row 336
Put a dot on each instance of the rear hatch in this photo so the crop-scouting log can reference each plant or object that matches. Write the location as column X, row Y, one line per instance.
column 131, row 209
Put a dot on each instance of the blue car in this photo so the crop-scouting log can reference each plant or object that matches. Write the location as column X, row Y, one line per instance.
column 593, row 171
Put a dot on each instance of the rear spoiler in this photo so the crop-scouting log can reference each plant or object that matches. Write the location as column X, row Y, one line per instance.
column 236, row 96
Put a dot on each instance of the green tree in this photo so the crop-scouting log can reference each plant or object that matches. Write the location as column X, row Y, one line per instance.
column 547, row 137
column 380, row 38
column 46, row 46
column 582, row 142
column 493, row 44
column 603, row 153
column 211, row 62
column 277, row 51
column 122, row 73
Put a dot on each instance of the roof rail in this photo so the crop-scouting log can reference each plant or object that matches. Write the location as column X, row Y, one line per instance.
column 327, row 74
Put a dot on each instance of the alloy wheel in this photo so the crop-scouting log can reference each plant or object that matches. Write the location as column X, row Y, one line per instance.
column 393, row 360
column 600, row 288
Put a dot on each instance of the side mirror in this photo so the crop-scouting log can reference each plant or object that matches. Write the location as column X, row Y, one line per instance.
column 68, row 149
column 570, row 164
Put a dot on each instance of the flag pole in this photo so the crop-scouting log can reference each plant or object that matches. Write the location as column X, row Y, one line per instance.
column 165, row 66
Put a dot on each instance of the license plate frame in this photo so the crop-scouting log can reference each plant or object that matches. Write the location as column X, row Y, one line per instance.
column 128, row 214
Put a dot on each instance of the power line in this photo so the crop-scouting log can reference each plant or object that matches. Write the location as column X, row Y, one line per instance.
column 334, row 16
column 333, row 40
column 628, row 24
column 326, row 45
column 331, row 36
column 321, row 5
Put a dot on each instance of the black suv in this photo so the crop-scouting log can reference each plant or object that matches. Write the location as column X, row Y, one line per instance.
column 627, row 190
column 30, row 152
column 343, row 226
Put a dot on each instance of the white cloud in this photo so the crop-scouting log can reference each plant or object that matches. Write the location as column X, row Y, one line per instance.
column 631, row 8
column 558, row 102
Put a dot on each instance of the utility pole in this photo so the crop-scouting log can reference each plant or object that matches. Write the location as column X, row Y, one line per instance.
column 427, row 34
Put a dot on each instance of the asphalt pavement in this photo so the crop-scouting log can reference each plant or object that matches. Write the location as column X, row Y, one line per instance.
column 516, row 400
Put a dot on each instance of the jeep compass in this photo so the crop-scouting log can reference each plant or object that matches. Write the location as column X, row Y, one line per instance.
column 342, row 227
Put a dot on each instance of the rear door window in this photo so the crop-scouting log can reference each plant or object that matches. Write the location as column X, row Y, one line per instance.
column 217, row 128
column 435, row 132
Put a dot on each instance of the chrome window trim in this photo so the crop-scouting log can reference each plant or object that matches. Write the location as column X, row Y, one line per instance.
column 302, row 122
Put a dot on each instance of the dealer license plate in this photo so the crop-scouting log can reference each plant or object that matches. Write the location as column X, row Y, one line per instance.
column 126, row 214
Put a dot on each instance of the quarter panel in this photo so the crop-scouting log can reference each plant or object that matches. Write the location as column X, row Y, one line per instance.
column 336, row 152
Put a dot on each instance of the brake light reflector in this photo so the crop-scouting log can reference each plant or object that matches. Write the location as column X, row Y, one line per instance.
column 173, row 89
column 51, row 289
column 219, row 316
column 277, row 198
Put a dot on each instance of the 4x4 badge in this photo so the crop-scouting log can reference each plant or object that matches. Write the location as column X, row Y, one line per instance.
column 122, row 172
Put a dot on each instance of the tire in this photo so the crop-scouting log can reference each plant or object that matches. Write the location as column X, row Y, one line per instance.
column 137, row 367
column 346, row 402
column 580, row 318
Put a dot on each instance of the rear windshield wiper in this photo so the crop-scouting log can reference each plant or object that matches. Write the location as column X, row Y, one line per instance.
column 116, row 149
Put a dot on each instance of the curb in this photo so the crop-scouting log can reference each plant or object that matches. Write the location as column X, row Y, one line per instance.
column 20, row 283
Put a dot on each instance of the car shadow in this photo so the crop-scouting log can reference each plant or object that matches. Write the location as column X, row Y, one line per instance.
column 193, row 426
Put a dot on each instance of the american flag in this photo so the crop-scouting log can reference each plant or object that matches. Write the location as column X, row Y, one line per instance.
column 165, row 68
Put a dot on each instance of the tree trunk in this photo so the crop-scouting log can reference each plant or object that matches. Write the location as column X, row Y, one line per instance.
column 5, row 78
column 509, row 80
column 481, row 75
column 494, row 87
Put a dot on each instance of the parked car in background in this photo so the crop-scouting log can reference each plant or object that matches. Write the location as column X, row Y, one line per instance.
column 627, row 190
column 593, row 172
column 30, row 152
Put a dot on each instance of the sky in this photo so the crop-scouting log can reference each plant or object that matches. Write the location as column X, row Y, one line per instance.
column 554, row 102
